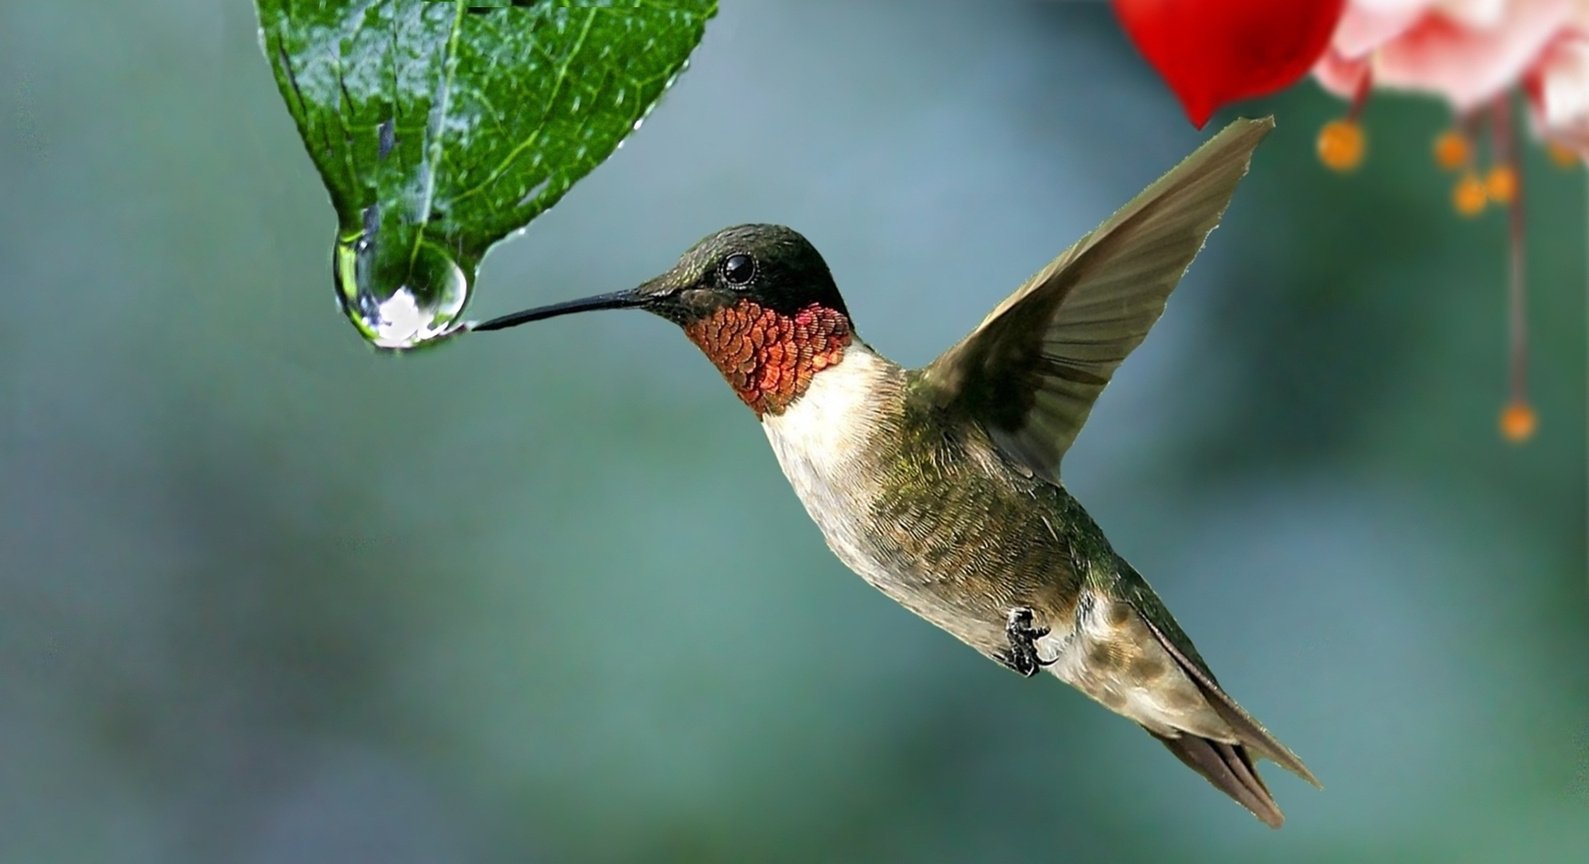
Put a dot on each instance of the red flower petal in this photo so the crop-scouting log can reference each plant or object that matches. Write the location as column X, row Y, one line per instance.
column 1212, row 52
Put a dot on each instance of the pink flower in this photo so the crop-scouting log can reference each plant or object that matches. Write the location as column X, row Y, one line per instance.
column 1469, row 53
column 1559, row 86
column 1475, row 55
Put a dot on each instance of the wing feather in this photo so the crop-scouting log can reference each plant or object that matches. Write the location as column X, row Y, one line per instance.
column 1032, row 369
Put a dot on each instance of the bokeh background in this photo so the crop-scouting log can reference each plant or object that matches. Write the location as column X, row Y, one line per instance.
column 267, row 596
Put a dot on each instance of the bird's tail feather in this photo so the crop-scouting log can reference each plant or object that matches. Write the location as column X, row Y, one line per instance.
column 1248, row 730
column 1229, row 767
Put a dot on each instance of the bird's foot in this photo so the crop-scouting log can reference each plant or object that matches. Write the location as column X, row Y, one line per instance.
column 1023, row 636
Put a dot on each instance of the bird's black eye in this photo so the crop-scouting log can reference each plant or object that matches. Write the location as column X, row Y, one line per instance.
column 738, row 269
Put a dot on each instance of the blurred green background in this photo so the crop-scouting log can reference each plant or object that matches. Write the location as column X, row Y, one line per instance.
column 270, row 597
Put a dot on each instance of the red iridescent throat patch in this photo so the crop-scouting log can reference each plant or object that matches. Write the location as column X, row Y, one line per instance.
column 769, row 357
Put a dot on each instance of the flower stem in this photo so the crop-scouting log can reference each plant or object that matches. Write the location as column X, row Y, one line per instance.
column 1517, row 420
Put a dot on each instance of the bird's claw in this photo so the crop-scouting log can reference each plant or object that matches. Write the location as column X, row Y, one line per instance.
column 1023, row 635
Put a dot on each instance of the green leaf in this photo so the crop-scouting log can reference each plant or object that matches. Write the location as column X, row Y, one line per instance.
column 441, row 126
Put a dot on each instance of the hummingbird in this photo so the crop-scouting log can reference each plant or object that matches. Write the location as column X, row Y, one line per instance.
column 940, row 486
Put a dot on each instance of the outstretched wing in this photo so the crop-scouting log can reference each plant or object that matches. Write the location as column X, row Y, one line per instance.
column 1032, row 369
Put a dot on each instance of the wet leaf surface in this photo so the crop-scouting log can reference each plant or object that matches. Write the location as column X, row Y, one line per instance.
column 441, row 127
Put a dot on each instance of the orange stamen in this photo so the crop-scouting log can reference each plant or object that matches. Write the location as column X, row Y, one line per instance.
column 1562, row 155
column 1501, row 184
column 1469, row 195
column 1518, row 422
column 1342, row 145
column 1453, row 150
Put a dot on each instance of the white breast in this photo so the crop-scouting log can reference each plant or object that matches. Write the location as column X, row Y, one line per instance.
column 825, row 427
column 825, row 443
column 820, row 443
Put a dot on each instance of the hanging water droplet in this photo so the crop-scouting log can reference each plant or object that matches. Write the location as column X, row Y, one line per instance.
column 400, row 295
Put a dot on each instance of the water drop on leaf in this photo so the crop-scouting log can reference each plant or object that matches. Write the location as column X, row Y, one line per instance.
column 400, row 295
column 438, row 129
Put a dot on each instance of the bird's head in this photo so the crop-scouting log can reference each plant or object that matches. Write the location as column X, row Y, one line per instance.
column 757, row 299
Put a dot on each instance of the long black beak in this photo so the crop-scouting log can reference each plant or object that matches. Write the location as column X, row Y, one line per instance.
column 616, row 300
